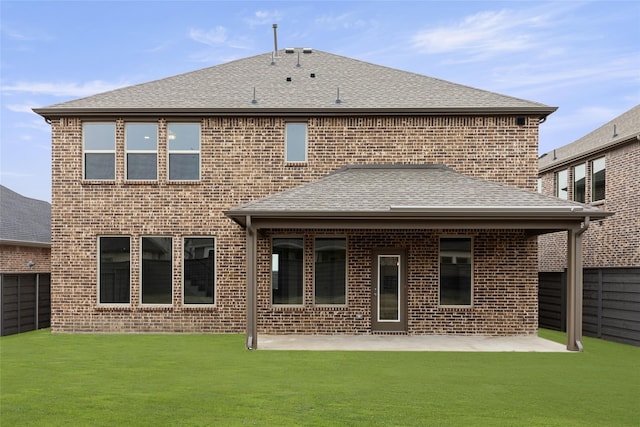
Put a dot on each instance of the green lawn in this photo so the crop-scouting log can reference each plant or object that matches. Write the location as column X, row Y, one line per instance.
column 198, row 380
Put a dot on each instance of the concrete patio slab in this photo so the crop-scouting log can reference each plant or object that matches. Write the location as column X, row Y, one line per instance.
column 530, row 343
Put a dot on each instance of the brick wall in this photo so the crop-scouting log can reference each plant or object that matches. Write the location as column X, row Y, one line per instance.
column 243, row 159
column 615, row 241
column 504, row 284
column 14, row 259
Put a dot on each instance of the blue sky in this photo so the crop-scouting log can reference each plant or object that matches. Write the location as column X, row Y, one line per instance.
column 580, row 56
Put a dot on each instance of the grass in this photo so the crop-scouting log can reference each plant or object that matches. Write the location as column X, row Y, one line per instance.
column 202, row 380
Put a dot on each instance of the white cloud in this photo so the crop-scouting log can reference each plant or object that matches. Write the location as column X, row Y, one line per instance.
column 483, row 34
column 264, row 17
column 214, row 37
column 63, row 89
column 20, row 108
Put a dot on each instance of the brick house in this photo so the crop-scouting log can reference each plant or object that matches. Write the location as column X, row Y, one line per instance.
column 300, row 192
column 601, row 169
column 25, row 262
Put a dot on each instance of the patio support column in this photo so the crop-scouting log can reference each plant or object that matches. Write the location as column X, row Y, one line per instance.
column 252, row 334
column 574, row 287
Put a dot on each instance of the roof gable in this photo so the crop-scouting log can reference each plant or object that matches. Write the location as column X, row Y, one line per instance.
column 624, row 128
column 24, row 219
column 297, row 82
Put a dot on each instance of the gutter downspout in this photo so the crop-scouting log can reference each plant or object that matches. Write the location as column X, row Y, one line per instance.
column 575, row 282
column 252, row 335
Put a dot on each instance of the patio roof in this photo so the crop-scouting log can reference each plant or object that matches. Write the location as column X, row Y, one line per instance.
column 410, row 194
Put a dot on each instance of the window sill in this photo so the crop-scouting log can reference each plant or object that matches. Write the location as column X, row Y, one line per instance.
column 185, row 182
column 296, row 164
column 598, row 202
column 455, row 307
column 98, row 182
column 141, row 182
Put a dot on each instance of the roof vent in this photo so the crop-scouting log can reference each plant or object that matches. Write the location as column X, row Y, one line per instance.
column 288, row 79
column 312, row 75
column 307, row 50
column 289, row 50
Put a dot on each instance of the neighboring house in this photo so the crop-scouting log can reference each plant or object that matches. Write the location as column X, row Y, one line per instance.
column 25, row 262
column 300, row 192
column 601, row 169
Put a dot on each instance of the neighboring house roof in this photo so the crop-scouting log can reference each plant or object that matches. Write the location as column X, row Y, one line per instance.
column 410, row 191
column 297, row 83
column 622, row 129
column 24, row 220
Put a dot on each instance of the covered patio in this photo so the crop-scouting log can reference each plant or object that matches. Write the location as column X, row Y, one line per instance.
column 413, row 197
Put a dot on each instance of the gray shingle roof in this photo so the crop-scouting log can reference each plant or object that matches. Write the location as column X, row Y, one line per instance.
column 313, row 86
column 619, row 130
column 391, row 189
column 23, row 219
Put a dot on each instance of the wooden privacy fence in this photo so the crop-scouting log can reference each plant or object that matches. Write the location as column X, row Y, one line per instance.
column 611, row 303
column 24, row 302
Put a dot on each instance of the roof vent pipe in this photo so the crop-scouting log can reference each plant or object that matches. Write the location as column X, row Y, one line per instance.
column 275, row 39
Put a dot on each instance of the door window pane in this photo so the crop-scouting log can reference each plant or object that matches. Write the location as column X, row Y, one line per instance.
column 114, row 270
column 296, row 144
column 389, row 288
column 99, row 146
column 579, row 178
column 157, row 270
column 455, row 271
column 142, row 151
column 198, row 276
column 287, row 271
column 598, row 180
column 330, row 270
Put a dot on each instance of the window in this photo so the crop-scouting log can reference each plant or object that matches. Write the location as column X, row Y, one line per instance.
column 142, row 151
column 184, row 151
column 598, row 180
column 330, row 270
column 296, row 142
column 540, row 185
column 99, row 145
column 157, row 270
column 455, row 271
column 287, row 271
column 561, row 185
column 579, row 176
column 198, row 270
column 114, row 268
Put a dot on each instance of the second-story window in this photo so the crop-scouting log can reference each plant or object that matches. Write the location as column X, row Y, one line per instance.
column 184, row 151
column 141, row 141
column 598, row 179
column 579, row 176
column 561, row 185
column 99, row 146
column 296, row 143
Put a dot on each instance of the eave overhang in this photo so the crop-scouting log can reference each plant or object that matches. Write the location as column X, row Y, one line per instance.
column 338, row 110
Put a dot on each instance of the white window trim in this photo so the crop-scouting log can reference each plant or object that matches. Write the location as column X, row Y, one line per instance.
column 471, row 305
column 140, row 280
column 127, row 152
column 85, row 152
column 198, row 152
column 346, row 271
column 98, row 284
column 215, row 272
column 306, row 143
column 304, row 263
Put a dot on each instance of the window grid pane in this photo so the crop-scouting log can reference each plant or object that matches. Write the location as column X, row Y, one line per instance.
column 142, row 151
column 184, row 151
column 598, row 179
column 579, row 180
column 99, row 142
column 199, row 271
column 115, row 266
column 296, row 142
column 287, row 271
column 455, row 271
column 330, row 270
column 157, row 270
column 562, row 185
